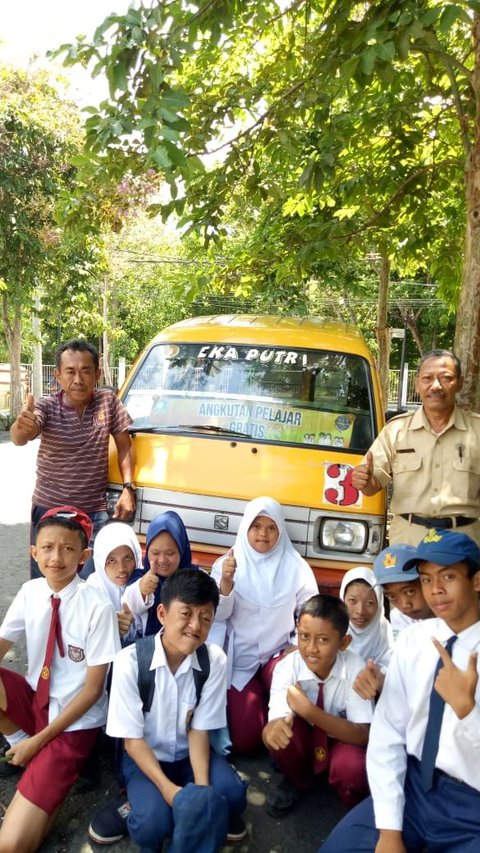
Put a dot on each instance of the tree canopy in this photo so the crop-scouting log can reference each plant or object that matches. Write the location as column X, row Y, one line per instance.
column 321, row 127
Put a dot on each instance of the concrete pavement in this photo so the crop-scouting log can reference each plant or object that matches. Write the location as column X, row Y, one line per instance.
column 300, row 832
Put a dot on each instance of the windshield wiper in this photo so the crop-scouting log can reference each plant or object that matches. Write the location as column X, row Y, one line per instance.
column 212, row 428
column 181, row 427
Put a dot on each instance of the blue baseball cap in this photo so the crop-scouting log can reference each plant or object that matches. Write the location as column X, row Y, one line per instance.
column 445, row 547
column 389, row 564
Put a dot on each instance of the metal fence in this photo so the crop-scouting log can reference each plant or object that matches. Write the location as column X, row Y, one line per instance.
column 50, row 386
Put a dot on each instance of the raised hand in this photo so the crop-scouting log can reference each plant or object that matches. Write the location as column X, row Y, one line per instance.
column 26, row 425
column 125, row 619
column 362, row 475
column 229, row 566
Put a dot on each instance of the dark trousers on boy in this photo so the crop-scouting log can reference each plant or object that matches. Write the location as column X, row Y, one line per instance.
column 190, row 824
column 444, row 820
column 345, row 764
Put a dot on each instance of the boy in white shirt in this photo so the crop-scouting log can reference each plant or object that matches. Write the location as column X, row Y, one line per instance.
column 317, row 723
column 424, row 749
column 176, row 786
column 52, row 717
column 403, row 588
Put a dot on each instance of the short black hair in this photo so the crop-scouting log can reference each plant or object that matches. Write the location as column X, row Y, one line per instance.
column 77, row 345
column 192, row 586
column 328, row 607
column 441, row 353
column 66, row 523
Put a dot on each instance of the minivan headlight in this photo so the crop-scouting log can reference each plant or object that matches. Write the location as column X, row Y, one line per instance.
column 336, row 535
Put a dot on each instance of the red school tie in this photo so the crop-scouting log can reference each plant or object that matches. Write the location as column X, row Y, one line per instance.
column 54, row 635
column 320, row 740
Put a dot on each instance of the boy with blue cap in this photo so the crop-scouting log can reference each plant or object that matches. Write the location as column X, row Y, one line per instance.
column 395, row 570
column 424, row 749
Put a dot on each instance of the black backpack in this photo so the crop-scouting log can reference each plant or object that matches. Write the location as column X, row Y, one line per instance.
column 146, row 677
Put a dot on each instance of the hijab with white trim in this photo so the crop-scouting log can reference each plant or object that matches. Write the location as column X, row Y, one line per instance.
column 112, row 536
column 270, row 579
column 376, row 639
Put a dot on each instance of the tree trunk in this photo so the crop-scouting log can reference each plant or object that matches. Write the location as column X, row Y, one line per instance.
column 467, row 333
column 13, row 335
column 382, row 331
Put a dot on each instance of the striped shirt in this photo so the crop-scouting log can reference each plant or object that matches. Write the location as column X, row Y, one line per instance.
column 72, row 461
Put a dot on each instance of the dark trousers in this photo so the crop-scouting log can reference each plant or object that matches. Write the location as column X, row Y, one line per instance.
column 444, row 820
column 346, row 764
column 152, row 820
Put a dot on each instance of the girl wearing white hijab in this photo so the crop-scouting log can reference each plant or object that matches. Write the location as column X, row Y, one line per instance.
column 263, row 582
column 116, row 554
column 371, row 632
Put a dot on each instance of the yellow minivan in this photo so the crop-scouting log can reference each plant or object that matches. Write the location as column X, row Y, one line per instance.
column 227, row 408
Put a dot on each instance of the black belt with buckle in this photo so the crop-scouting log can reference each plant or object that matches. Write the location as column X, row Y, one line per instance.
column 443, row 522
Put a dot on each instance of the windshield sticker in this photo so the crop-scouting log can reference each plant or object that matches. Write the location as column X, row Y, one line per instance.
column 220, row 352
column 338, row 488
column 256, row 420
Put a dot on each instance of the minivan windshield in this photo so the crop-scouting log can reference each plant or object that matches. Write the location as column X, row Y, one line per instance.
column 291, row 396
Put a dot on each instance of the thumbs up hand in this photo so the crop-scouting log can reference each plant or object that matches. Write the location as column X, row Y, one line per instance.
column 362, row 475
column 125, row 619
column 149, row 583
column 26, row 426
column 229, row 566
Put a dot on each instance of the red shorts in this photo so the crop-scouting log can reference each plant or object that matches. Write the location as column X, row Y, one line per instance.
column 51, row 773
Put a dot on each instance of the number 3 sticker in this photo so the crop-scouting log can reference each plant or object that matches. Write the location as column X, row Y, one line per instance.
column 338, row 486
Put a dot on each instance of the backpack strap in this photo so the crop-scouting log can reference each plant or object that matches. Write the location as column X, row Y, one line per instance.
column 145, row 647
column 200, row 675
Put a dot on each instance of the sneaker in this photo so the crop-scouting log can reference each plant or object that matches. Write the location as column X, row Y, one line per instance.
column 237, row 830
column 110, row 823
column 281, row 798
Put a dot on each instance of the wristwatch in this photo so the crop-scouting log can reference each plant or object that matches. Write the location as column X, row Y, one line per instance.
column 130, row 486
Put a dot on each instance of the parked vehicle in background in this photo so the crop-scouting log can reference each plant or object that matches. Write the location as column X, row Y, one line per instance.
column 227, row 408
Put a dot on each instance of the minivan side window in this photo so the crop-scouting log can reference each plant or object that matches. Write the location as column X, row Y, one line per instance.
column 290, row 396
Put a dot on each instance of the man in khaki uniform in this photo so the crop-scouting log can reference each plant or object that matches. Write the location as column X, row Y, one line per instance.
column 431, row 455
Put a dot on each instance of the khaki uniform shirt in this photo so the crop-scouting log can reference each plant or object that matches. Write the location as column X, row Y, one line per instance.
column 433, row 474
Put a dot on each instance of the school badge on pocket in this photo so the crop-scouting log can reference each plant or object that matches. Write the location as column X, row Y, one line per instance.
column 75, row 653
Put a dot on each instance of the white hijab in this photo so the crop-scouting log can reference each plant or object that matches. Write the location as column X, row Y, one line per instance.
column 270, row 579
column 376, row 640
column 107, row 539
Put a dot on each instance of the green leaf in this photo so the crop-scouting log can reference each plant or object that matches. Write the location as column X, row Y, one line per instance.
column 348, row 68
column 367, row 60
column 450, row 15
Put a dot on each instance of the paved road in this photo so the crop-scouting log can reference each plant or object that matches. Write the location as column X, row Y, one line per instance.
column 300, row 832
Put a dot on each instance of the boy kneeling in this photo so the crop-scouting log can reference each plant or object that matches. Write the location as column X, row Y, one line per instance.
column 53, row 716
column 318, row 723
column 176, row 786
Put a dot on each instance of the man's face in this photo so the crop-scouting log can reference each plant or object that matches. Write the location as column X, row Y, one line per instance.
column 437, row 384
column 408, row 598
column 450, row 593
column 77, row 377
column 58, row 552
column 185, row 628
column 319, row 643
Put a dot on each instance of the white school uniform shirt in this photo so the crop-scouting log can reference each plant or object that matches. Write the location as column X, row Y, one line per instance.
column 90, row 638
column 401, row 715
column 164, row 727
column 258, row 616
column 134, row 599
column 399, row 621
column 339, row 697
